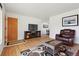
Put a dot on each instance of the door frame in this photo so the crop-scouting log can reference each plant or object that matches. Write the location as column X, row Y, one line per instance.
column 7, row 28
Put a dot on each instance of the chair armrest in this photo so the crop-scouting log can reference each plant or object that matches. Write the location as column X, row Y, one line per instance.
column 57, row 36
column 71, row 39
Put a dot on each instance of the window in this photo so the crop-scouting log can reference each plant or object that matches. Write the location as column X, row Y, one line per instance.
column 0, row 25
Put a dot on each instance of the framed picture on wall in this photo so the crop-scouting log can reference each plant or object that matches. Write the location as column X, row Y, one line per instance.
column 45, row 26
column 70, row 20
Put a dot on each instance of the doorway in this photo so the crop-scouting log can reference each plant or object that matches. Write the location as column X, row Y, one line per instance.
column 12, row 29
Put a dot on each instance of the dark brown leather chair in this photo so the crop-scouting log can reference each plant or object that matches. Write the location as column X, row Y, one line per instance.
column 67, row 36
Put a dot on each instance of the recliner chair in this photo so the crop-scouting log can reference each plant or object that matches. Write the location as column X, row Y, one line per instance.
column 66, row 36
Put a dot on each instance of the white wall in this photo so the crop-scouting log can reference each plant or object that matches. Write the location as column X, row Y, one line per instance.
column 23, row 22
column 2, row 17
column 44, row 29
column 55, row 24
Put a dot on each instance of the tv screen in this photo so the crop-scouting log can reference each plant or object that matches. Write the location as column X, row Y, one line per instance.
column 33, row 27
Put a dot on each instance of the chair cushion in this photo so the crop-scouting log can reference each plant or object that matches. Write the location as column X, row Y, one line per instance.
column 63, row 35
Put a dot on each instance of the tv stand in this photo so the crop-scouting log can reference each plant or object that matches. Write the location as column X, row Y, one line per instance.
column 31, row 34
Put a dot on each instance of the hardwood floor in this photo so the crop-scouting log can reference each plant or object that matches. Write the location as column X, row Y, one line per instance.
column 14, row 50
column 10, row 51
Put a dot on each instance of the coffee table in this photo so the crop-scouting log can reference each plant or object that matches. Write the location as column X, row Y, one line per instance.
column 53, row 44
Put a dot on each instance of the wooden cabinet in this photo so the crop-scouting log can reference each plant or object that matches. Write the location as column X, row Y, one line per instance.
column 32, row 34
column 27, row 34
column 38, row 33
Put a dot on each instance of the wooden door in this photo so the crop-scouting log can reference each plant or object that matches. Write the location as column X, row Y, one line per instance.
column 12, row 29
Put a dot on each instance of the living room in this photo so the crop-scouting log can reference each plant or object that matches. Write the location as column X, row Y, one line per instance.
column 37, row 28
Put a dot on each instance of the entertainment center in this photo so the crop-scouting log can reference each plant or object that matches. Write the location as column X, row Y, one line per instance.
column 33, row 32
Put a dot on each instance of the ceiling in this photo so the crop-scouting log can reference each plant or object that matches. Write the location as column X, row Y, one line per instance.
column 40, row 10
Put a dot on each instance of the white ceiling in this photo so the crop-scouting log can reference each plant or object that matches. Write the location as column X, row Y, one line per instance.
column 40, row 10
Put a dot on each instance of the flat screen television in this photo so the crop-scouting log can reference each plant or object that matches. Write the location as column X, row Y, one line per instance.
column 33, row 27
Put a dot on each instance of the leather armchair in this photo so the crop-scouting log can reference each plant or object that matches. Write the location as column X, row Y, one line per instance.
column 66, row 36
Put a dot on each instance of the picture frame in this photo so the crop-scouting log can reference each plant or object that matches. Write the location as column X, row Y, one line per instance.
column 70, row 20
column 45, row 26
